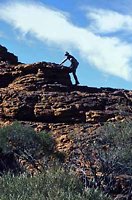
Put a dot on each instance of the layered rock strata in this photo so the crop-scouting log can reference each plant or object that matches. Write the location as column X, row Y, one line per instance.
column 42, row 95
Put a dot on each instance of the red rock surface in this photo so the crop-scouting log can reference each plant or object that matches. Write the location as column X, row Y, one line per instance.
column 42, row 95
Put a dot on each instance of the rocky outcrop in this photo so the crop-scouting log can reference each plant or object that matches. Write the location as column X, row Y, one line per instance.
column 33, row 76
column 42, row 95
column 30, row 98
column 7, row 57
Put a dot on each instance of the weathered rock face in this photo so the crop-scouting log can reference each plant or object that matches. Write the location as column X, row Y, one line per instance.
column 8, row 57
column 34, row 76
column 42, row 95
column 28, row 97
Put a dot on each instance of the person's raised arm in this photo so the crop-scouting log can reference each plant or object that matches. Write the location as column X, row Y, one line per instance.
column 63, row 61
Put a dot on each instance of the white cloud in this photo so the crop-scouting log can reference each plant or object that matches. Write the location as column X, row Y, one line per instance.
column 108, row 21
column 109, row 55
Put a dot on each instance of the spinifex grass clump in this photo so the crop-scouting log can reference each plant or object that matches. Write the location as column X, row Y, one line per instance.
column 53, row 184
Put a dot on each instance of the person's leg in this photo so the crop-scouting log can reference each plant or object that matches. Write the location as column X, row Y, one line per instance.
column 73, row 71
column 75, row 77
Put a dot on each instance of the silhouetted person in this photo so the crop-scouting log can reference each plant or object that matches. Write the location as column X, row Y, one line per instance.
column 73, row 66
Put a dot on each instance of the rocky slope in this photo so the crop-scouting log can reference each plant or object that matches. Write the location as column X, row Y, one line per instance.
column 42, row 95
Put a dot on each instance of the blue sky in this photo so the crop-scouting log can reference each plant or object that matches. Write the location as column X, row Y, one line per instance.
column 97, row 32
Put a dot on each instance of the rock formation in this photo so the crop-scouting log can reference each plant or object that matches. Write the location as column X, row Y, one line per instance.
column 7, row 57
column 42, row 95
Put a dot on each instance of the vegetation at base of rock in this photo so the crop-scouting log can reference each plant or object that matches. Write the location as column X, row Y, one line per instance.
column 114, row 146
column 17, row 137
column 53, row 184
column 22, row 150
column 109, row 157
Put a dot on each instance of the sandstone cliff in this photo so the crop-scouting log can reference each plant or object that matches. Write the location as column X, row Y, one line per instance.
column 42, row 95
column 6, row 56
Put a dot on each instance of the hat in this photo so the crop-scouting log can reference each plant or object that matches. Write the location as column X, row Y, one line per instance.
column 66, row 54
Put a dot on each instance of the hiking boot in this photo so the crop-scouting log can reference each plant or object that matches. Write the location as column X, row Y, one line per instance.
column 77, row 83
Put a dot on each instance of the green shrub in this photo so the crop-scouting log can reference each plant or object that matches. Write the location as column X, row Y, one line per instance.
column 53, row 184
column 118, row 138
column 17, row 137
